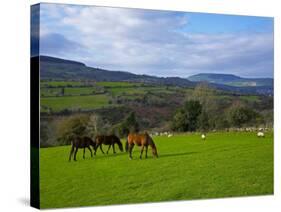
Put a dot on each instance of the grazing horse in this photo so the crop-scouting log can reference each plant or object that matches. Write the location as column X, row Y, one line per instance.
column 108, row 140
column 142, row 140
column 81, row 142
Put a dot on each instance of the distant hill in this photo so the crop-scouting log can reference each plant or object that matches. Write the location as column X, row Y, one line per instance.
column 52, row 68
column 59, row 69
column 231, row 80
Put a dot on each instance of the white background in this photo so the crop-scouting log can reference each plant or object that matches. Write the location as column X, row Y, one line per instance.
column 14, row 103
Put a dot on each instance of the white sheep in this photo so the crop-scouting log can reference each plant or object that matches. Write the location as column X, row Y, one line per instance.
column 260, row 134
column 203, row 136
column 170, row 135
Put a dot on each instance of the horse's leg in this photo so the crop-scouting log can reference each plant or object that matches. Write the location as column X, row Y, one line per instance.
column 108, row 149
column 95, row 148
column 142, row 147
column 76, row 150
column 146, row 148
column 89, row 148
column 113, row 148
column 84, row 153
column 71, row 152
column 101, row 149
column 131, row 146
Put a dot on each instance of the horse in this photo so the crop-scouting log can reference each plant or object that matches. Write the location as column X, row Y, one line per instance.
column 108, row 140
column 143, row 140
column 79, row 143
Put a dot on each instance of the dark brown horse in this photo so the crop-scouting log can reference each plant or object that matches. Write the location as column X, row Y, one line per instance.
column 142, row 140
column 79, row 143
column 108, row 140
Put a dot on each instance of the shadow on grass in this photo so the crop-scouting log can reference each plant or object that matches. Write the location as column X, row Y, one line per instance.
column 101, row 156
column 177, row 154
column 150, row 157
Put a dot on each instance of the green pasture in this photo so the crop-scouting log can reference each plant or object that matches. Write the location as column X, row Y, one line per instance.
column 138, row 90
column 50, row 91
column 118, row 84
column 61, row 83
column 74, row 102
column 224, row 165
column 250, row 98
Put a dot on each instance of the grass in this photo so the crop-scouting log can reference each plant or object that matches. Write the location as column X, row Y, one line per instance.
column 60, row 83
column 75, row 102
column 50, row 91
column 250, row 98
column 79, row 91
column 225, row 165
column 118, row 84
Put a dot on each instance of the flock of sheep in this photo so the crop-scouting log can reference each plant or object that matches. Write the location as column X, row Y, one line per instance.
column 260, row 133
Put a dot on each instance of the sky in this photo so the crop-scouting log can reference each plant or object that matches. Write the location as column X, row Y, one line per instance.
column 160, row 43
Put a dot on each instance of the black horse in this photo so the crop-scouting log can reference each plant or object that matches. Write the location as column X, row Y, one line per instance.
column 108, row 140
column 79, row 143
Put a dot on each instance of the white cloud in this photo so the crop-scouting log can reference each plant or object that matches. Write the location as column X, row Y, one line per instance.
column 154, row 43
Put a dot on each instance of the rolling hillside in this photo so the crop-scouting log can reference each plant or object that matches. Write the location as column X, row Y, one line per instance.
column 232, row 80
column 59, row 69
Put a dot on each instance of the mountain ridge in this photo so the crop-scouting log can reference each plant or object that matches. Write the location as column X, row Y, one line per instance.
column 231, row 79
column 52, row 68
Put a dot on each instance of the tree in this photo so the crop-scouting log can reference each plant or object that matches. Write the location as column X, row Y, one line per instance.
column 131, row 123
column 240, row 115
column 203, row 121
column 75, row 125
column 186, row 118
column 206, row 95
column 180, row 121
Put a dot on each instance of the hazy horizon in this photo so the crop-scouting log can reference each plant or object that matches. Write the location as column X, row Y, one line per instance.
column 159, row 43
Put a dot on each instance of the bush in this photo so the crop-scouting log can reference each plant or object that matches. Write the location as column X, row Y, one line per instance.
column 241, row 115
column 186, row 118
column 75, row 125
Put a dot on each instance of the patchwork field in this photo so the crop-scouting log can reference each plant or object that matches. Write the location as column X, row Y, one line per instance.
column 77, row 95
column 74, row 102
column 224, row 165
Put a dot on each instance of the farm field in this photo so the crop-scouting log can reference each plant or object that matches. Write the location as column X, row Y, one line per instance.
column 74, row 102
column 224, row 165
column 92, row 95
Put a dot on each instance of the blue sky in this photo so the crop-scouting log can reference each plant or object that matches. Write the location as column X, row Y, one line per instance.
column 161, row 43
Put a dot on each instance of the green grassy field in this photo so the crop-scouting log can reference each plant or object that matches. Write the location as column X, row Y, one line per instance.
column 75, row 102
column 60, row 83
column 118, row 84
column 224, row 165
column 53, row 98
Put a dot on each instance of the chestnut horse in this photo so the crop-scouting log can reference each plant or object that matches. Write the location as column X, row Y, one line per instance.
column 81, row 142
column 142, row 140
column 108, row 140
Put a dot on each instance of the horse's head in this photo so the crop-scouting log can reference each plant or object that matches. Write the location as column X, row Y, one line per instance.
column 153, row 147
column 154, row 151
